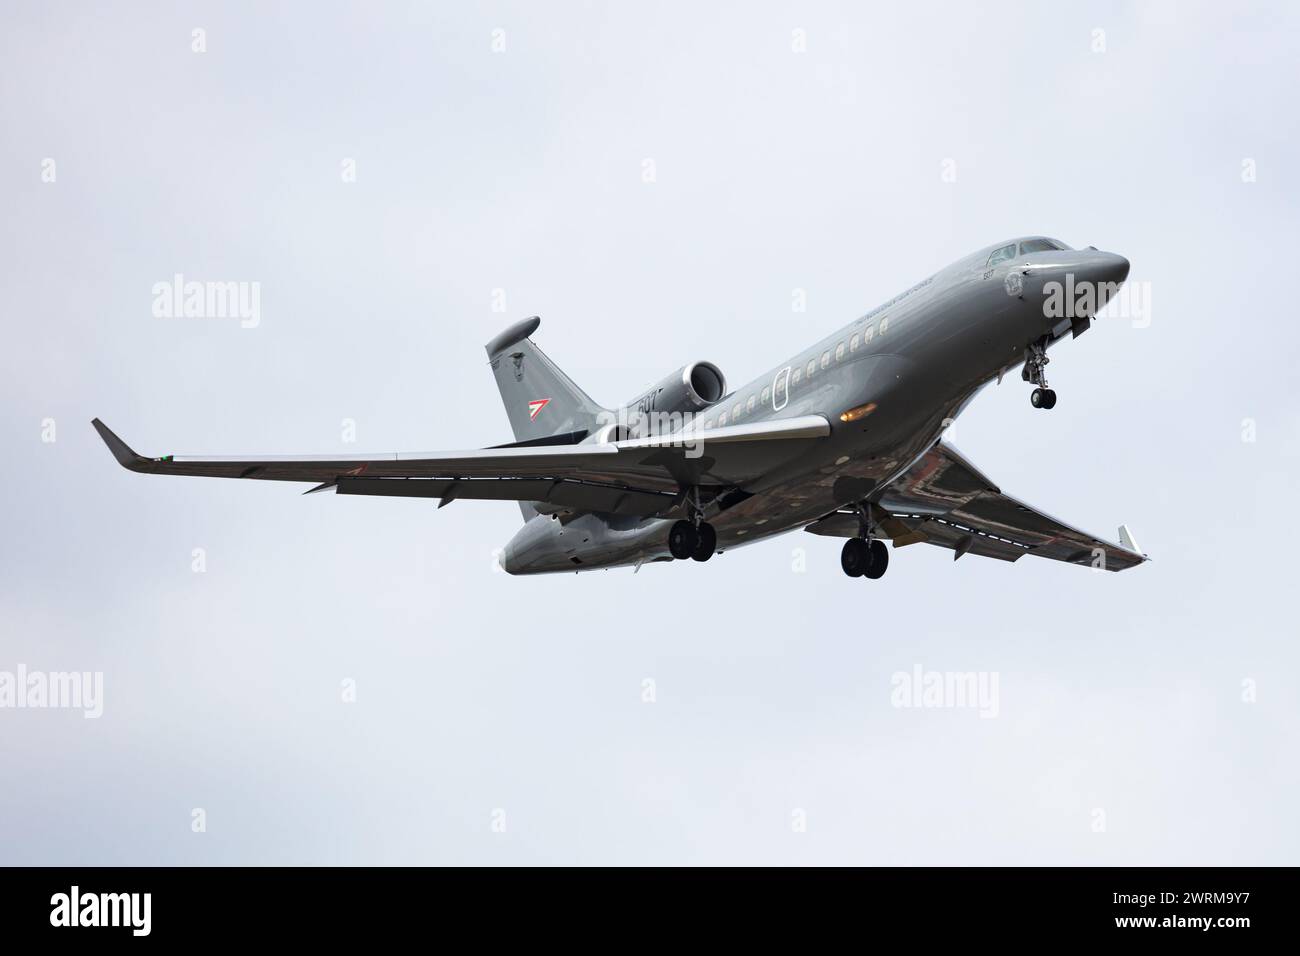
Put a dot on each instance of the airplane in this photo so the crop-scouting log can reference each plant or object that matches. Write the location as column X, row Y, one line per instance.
column 844, row 439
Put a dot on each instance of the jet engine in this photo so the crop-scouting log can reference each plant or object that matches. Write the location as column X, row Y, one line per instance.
column 692, row 388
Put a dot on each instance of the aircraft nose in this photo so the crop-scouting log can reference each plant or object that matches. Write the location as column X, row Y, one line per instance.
column 1112, row 267
column 1098, row 276
column 1104, row 271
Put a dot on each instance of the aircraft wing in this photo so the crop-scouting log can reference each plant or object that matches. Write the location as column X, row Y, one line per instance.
column 945, row 500
column 642, row 476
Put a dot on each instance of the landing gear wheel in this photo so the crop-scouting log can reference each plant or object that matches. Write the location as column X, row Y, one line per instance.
column 683, row 539
column 1035, row 371
column 708, row 542
column 855, row 559
column 879, row 560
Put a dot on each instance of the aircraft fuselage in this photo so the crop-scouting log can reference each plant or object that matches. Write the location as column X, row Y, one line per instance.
column 900, row 374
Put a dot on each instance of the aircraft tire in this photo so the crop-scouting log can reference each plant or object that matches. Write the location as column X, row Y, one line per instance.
column 879, row 560
column 708, row 542
column 682, row 540
column 855, row 558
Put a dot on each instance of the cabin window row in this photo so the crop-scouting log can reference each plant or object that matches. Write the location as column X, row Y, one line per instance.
column 797, row 375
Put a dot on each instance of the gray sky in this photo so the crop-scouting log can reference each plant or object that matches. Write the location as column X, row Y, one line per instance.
column 523, row 170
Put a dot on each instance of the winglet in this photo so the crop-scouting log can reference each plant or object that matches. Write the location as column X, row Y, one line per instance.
column 1126, row 539
column 121, row 451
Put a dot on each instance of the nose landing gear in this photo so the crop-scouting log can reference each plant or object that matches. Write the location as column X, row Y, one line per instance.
column 1035, row 371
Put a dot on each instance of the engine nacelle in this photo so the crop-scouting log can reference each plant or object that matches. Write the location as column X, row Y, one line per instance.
column 692, row 388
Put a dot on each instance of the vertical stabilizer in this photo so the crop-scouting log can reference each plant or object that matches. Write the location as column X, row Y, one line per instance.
column 540, row 399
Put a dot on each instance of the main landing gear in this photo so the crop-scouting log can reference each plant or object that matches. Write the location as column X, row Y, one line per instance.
column 864, row 559
column 686, row 540
column 1035, row 365
column 693, row 538
column 864, row 556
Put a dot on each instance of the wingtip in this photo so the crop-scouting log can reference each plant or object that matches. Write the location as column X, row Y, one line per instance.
column 1127, row 540
column 120, row 449
column 1129, row 543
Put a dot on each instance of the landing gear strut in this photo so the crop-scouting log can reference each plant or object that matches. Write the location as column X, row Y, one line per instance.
column 694, row 537
column 1035, row 371
column 864, row 556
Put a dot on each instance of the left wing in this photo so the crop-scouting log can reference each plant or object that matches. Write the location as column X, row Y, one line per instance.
column 944, row 500
column 642, row 476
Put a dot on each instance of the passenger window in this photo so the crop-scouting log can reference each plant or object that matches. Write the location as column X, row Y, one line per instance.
column 749, row 405
column 767, row 393
column 1002, row 255
column 722, row 420
column 812, row 367
column 866, row 336
column 839, row 352
column 884, row 325
column 735, row 411
column 853, row 343
column 798, row 374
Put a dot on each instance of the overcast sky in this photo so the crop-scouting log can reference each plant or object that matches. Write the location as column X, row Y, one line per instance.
column 403, row 180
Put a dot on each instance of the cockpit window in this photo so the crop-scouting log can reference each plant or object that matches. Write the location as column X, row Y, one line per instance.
column 1038, row 245
column 1002, row 255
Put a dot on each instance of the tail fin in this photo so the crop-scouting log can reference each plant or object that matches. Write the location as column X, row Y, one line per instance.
column 541, row 401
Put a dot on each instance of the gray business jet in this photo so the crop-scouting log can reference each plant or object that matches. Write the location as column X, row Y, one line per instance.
column 844, row 439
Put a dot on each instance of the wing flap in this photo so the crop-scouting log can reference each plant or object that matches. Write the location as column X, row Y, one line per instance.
column 560, row 494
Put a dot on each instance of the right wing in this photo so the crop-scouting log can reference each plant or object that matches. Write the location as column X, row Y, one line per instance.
column 642, row 476
column 945, row 500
